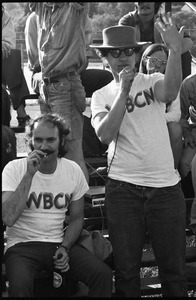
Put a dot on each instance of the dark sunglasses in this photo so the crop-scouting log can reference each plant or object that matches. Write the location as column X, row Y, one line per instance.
column 117, row 52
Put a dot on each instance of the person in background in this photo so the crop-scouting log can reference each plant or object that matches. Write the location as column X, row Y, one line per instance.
column 193, row 208
column 188, row 123
column 143, row 192
column 154, row 59
column 31, row 42
column 37, row 192
column 92, row 79
column 12, row 73
column 143, row 19
column 62, row 52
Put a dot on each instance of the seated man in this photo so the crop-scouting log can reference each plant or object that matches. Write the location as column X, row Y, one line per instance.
column 37, row 192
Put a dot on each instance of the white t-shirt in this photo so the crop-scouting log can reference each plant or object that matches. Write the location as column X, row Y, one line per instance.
column 143, row 154
column 48, row 200
column 174, row 111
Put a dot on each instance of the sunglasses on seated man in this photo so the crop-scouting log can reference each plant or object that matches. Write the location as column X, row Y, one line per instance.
column 117, row 52
column 155, row 60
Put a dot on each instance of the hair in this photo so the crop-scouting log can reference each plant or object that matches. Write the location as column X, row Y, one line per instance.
column 157, row 6
column 55, row 120
column 149, row 51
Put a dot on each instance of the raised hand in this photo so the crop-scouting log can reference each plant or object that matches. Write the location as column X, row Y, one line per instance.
column 169, row 32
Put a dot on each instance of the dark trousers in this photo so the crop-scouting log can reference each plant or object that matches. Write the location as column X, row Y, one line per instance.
column 13, row 78
column 133, row 210
column 24, row 261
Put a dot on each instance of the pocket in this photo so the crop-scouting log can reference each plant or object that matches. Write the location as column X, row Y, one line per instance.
column 59, row 37
column 112, row 186
column 61, row 87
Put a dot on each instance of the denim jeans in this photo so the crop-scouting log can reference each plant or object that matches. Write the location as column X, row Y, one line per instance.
column 24, row 261
column 67, row 98
column 131, row 212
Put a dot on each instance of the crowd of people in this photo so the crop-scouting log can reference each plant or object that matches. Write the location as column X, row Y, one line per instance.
column 144, row 109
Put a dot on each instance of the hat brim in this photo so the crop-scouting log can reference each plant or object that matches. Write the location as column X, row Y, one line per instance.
column 102, row 46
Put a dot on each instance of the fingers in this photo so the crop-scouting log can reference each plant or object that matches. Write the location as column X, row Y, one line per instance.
column 164, row 22
column 62, row 263
column 36, row 157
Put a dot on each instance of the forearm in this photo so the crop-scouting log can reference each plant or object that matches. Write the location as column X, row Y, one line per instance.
column 13, row 207
column 173, row 74
column 110, row 124
column 72, row 232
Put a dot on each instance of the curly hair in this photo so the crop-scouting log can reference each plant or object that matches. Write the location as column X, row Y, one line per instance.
column 55, row 120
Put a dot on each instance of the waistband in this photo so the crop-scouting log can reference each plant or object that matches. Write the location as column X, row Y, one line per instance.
column 139, row 187
column 48, row 80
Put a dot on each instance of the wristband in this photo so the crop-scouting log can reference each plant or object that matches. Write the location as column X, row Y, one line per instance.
column 66, row 248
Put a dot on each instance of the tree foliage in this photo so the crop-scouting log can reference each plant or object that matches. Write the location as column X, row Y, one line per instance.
column 102, row 14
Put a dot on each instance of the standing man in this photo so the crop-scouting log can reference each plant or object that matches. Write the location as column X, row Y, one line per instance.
column 62, row 53
column 143, row 192
column 12, row 73
column 37, row 192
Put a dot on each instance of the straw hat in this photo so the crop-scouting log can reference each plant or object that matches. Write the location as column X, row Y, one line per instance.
column 118, row 37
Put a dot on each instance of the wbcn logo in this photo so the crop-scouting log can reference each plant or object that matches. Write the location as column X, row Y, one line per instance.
column 61, row 200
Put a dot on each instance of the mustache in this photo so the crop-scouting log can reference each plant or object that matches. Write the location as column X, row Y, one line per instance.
column 48, row 152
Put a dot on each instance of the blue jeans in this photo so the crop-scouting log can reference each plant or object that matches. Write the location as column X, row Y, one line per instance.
column 67, row 98
column 24, row 261
column 131, row 212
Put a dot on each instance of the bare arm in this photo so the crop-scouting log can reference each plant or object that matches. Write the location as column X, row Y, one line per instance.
column 13, row 203
column 71, row 235
column 107, row 125
column 167, row 90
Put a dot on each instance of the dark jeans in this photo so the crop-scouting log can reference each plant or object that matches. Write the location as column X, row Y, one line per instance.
column 133, row 210
column 24, row 261
column 13, row 77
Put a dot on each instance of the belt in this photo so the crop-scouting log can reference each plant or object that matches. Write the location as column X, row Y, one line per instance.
column 48, row 80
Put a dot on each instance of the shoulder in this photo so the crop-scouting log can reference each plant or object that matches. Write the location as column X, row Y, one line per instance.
column 68, row 164
column 128, row 19
column 16, row 165
column 190, row 79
